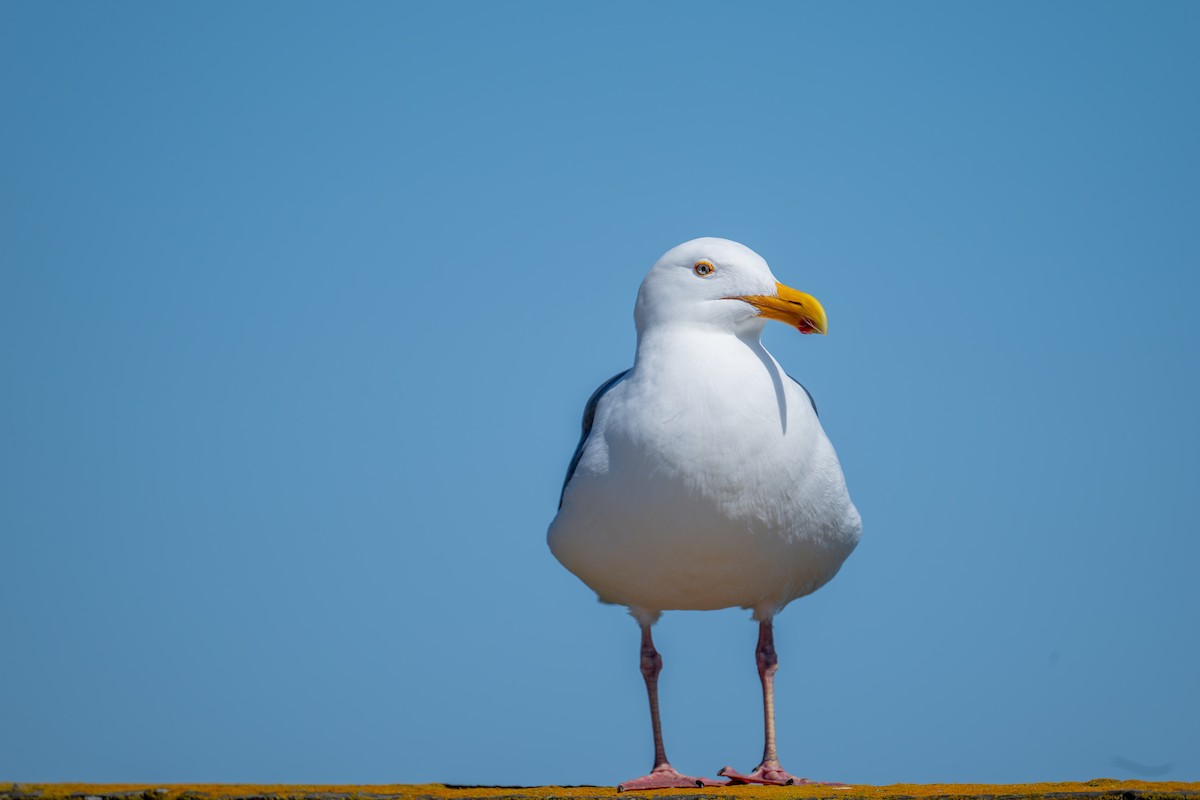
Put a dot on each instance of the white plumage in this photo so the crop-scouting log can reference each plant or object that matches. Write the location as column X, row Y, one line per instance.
column 706, row 480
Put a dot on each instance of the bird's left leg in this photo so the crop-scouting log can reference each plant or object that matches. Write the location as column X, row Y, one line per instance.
column 662, row 775
column 769, row 771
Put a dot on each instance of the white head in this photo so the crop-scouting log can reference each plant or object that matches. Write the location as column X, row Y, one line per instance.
column 723, row 284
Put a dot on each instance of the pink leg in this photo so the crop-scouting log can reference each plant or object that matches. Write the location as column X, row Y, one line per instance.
column 769, row 771
column 662, row 775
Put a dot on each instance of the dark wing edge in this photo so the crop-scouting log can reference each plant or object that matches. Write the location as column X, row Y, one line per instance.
column 589, row 415
column 810, row 397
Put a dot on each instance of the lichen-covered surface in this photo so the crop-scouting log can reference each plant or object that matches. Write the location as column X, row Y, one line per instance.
column 1099, row 789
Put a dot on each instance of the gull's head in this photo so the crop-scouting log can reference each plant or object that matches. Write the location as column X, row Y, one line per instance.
column 723, row 284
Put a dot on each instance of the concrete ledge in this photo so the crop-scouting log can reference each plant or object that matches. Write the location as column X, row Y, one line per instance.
column 1099, row 789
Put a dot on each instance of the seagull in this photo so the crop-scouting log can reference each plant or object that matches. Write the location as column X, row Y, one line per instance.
column 703, row 479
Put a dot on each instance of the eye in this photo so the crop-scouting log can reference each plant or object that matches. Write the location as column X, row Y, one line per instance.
column 704, row 268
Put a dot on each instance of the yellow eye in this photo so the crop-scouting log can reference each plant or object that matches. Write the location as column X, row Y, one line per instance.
column 704, row 268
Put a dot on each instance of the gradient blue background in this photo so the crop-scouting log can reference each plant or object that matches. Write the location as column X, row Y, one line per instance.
column 301, row 304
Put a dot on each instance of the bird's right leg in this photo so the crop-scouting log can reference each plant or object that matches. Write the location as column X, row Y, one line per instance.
column 769, row 771
column 662, row 775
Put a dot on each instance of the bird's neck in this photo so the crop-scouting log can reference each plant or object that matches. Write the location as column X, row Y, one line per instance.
column 749, row 331
column 663, row 346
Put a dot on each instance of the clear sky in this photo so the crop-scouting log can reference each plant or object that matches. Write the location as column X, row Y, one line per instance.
column 300, row 305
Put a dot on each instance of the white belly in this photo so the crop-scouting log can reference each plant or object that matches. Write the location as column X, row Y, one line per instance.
column 727, row 494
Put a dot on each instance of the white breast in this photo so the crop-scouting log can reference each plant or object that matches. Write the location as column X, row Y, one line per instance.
column 706, row 482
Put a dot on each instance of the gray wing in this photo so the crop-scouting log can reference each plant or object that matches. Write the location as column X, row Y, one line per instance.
column 807, row 392
column 589, row 415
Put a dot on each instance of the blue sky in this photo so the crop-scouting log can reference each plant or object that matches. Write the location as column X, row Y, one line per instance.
column 301, row 304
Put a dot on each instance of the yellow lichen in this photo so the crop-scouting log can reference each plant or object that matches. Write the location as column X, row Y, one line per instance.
column 1098, row 789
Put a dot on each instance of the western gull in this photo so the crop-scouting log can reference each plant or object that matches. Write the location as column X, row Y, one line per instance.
column 703, row 478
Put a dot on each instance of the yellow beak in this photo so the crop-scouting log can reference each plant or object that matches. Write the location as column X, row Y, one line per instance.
column 800, row 310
